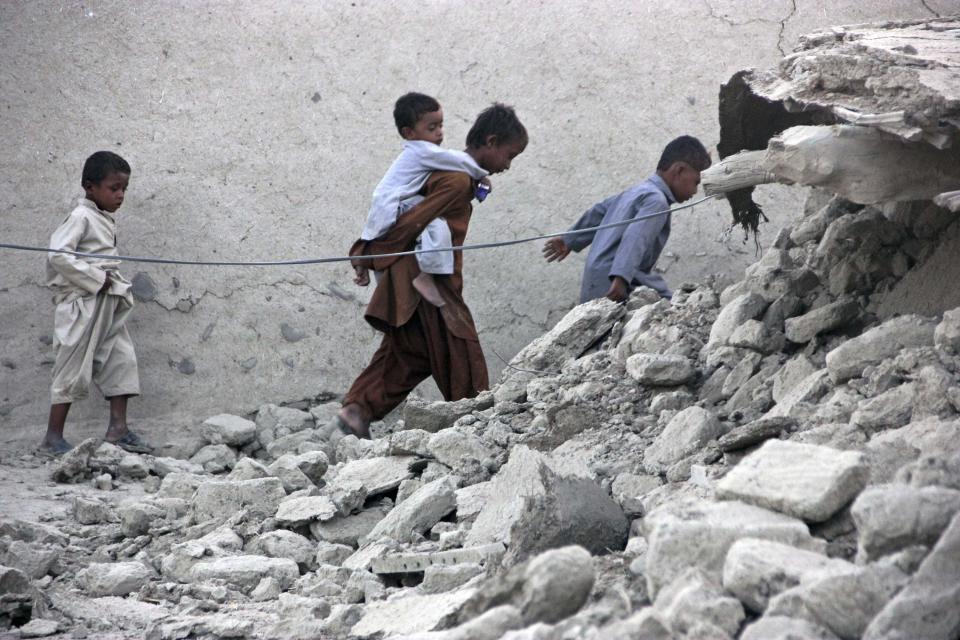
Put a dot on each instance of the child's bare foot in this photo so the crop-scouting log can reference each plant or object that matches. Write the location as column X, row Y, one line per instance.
column 351, row 418
column 425, row 284
column 362, row 276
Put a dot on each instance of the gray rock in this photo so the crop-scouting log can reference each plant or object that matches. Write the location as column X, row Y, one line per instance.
column 217, row 500
column 137, row 518
column 245, row 572
column 789, row 376
column 33, row 558
column 754, row 335
column 409, row 614
column 215, row 458
column 410, row 519
column 314, row 465
column 39, row 628
column 274, row 422
column 74, row 465
column 933, row 389
column 285, row 544
column 33, row 532
column 742, row 308
column 797, row 402
column 831, row 316
column 332, row 553
column 929, row 605
column 296, row 511
column 694, row 598
column 116, row 579
column 377, row 475
column 660, row 370
column 782, row 628
column 470, row 500
column 410, row 442
column 932, row 470
column 294, row 443
column 946, row 336
column 228, row 429
column 879, row 343
column 91, row 511
column 218, row 625
column 287, row 469
column 891, row 517
column 16, row 597
column 436, row 416
column 890, row 409
column 452, row 445
column 806, row 481
column 177, row 564
column 686, row 432
column 440, row 578
column 755, row 432
column 684, row 534
column 741, row 372
column 180, row 485
column 348, row 530
column 890, row 450
column 248, row 469
column 628, row 489
column 531, row 508
column 645, row 624
column 163, row 467
column 756, row 570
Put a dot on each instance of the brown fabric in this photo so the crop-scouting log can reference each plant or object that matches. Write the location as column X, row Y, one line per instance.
column 419, row 339
column 408, row 355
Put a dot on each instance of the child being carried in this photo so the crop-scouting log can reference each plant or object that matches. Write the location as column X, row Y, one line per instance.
column 419, row 120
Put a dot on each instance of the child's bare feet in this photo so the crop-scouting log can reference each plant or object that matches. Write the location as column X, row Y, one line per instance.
column 425, row 284
column 362, row 276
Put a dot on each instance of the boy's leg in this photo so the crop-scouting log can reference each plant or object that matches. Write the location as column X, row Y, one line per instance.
column 53, row 442
column 427, row 287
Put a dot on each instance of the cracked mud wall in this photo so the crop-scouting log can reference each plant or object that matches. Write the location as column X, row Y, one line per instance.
column 257, row 131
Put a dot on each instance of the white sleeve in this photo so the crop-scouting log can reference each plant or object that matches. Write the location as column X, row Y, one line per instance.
column 440, row 159
column 76, row 270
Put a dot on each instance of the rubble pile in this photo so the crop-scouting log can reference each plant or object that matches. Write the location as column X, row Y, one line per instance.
column 771, row 460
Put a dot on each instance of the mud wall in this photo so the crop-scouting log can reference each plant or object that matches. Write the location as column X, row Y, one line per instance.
column 257, row 131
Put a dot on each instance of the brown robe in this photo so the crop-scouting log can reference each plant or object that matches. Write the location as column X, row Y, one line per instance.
column 419, row 339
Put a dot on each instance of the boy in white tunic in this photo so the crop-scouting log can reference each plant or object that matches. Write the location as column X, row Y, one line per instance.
column 93, row 302
column 419, row 119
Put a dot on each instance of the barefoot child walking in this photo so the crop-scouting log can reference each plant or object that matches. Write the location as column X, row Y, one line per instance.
column 93, row 302
column 419, row 119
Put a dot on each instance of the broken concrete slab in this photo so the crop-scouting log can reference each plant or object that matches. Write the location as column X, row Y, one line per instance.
column 415, row 562
column 228, row 429
column 686, row 432
column 894, row 516
column 285, row 544
column 377, row 475
column 294, row 512
column 287, row 469
column 802, row 329
column 531, row 508
column 660, row 370
column 348, row 530
column 684, row 534
column 802, row 480
column 756, row 570
column 219, row 499
column 33, row 558
column 783, row 628
column 408, row 521
column 437, row 416
column 114, row 579
column 215, row 458
column 451, row 445
column 694, row 598
column 245, row 572
column 748, row 306
column 879, row 343
column 755, row 432
column 407, row 614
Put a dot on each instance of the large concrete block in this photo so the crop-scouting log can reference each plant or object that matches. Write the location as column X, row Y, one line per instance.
column 802, row 480
column 113, row 579
column 245, row 572
column 879, row 343
column 686, row 432
column 228, row 429
column 411, row 518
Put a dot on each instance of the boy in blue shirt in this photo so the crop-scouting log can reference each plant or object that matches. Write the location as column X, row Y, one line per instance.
column 622, row 258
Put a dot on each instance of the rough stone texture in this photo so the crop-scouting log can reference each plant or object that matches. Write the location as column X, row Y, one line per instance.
column 218, row 500
column 698, row 534
column 245, row 572
column 531, row 508
column 802, row 480
column 296, row 511
column 929, row 605
column 410, row 614
column 693, row 599
column 286, row 544
column 287, row 469
column 891, row 409
column 755, row 432
column 685, row 433
column 947, row 334
column 215, row 458
column 118, row 579
column 450, row 446
column 742, row 308
column 628, row 489
column 436, row 416
column 34, row 559
column 783, row 628
column 891, row 517
column 660, row 370
column 757, row 570
column 879, row 343
column 228, row 429
column 418, row 513
column 440, row 578
column 376, row 475
column 832, row 316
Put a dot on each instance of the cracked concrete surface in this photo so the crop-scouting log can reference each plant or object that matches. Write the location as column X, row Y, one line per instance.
column 258, row 132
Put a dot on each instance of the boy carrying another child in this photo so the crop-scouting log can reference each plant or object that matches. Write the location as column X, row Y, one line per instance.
column 419, row 120
column 93, row 303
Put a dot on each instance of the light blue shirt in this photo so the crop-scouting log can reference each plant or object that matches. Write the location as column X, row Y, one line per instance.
column 630, row 251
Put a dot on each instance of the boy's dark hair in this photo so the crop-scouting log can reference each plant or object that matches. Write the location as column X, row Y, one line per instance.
column 410, row 107
column 685, row 149
column 496, row 120
column 101, row 164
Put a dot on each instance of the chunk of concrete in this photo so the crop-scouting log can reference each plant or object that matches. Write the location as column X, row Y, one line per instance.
column 348, row 530
column 377, row 475
column 215, row 458
column 748, row 306
column 891, row 409
column 660, row 369
column 756, row 432
column 946, row 336
column 113, row 579
column 694, row 598
column 929, row 605
column 437, row 416
column 245, row 572
column 408, row 521
column 756, row 570
column 219, row 499
column 294, row 512
column 802, row 480
column 228, row 429
column 686, row 432
column 287, row 469
column 879, row 343
column 803, row 329
column 686, row 534
column 410, row 614
column 531, row 508
column 894, row 516
column 783, row 628
column 286, row 544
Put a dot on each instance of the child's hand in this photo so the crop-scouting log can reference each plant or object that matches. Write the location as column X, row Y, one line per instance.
column 618, row 289
column 555, row 250
column 362, row 276
column 485, row 181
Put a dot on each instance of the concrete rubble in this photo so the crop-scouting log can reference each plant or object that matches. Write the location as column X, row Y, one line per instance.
column 776, row 459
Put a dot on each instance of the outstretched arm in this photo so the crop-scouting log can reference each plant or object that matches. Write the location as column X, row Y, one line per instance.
column 639, row 238
column 591, row 218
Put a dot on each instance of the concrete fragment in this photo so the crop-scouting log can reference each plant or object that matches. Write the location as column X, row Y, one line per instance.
column 217, row 625
column 756, row 570
column 802, row 480
column 694, row 598
column 929, row 605
column 180, row 485
column 294, row 512
column 437, row 416
column 531, row 508
column 879, row 343
column 287, row 469
column 377, row 475
column 34, row 559
column 39, row 628
column 742, row 308
column 90, row 511
column 33, row 532
column 410, row 614
column 891, row 409
column 440, row 578
column 415, row 515
column 891, row 517
column 790, row 374
column 755, row 432
column 754, row 335
column 113, row 579
column 348, row 530
column 286, row 544
column 660, row 370
column 684, row 534
column 228, row 429
column 245, row 572
column 628, row 489
column 946, row 336
column 802, row 329
column 215, row 458
column 313, row 464
column 782, row 628
column 248, row 469
column 451, row 446
column 218, row 499
column 137, row 518
column 686, row 432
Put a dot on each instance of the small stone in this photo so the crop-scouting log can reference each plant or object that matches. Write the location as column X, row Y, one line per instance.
column 228, row 429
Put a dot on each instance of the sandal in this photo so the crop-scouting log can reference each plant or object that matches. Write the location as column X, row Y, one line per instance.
column 132, row 443
column 55, row 450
